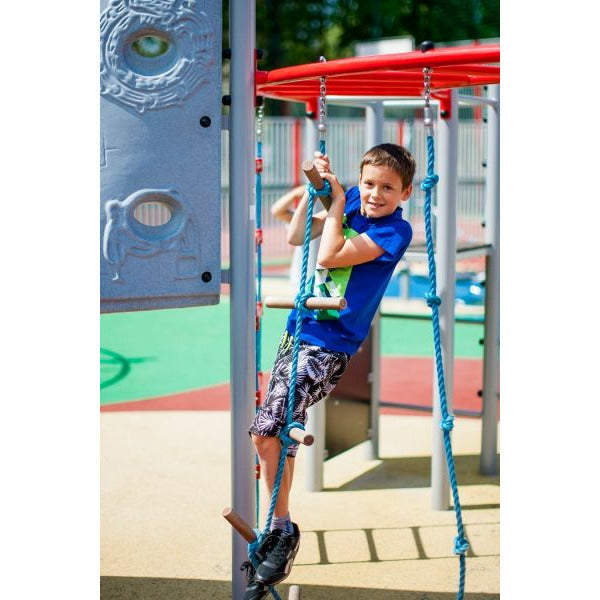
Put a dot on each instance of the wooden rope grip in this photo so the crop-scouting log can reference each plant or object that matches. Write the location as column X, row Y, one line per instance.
column 239, row 524
column 313, row 303
column 300, row 436
column 312, row 174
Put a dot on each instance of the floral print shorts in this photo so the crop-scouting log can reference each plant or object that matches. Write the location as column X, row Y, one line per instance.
column 318, row 372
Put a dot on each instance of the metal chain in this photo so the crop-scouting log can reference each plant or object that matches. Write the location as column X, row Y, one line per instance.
column 259, row 119
column 322, row 104
column 427, row 113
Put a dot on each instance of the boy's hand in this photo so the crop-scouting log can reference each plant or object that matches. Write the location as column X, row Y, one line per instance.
column 337, row 191
column 322, row 163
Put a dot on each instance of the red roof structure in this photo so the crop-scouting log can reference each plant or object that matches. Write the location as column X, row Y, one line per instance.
column 385, row 75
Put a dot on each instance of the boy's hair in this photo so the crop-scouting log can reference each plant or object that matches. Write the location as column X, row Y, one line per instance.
column 393, row 156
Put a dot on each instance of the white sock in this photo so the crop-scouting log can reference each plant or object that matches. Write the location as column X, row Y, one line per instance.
column 284, row 523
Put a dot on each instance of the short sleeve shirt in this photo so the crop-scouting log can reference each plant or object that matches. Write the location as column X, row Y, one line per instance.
column 363, row 285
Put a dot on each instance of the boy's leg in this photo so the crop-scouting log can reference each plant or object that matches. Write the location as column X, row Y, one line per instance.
column 318, row 372
column 269, row 452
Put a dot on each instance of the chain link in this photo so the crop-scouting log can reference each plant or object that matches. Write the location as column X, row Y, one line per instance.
column 322, row 103
column 259, row 120
column 427, row 113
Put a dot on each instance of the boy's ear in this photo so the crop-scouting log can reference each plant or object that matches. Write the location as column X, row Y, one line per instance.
column 406, row 193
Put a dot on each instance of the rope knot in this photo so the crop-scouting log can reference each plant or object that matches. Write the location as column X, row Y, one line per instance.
column 300, row 301
column 447, row 423
column 324, row 191
column 429, row 182
column 284, row 434
column 460, row 545
column 432, row 300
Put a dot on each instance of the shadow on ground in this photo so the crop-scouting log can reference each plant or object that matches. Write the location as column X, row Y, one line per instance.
column 414, row 472
column 151, row 588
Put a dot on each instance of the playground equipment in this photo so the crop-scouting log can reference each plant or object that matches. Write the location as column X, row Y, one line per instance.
column 160, row 76
column 160, row 81
column 369, row 79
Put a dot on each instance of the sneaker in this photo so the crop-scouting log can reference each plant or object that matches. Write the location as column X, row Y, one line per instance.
column 255, row 590
column 279, row 559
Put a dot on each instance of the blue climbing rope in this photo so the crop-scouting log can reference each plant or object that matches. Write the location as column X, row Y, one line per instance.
column 258, row 239
column 303, row 295
column 258, row 250
column 300, row 301
column 433, row 301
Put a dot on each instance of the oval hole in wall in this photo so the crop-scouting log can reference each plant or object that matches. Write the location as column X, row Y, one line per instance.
column 153, row 213
column 149, row 52
column 150, row 46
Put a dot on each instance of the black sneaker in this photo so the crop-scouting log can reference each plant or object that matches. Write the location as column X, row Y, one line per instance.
column 279, row 559
column 255, row 590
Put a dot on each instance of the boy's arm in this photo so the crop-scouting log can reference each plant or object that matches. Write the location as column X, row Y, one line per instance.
column 282, row 208
column 297, row 227
column 335, row 250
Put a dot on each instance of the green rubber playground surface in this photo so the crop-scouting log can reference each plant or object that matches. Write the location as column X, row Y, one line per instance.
column 156, row 353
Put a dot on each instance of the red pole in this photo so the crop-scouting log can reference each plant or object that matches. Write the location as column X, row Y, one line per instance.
column 401, row 133
column 477, row 111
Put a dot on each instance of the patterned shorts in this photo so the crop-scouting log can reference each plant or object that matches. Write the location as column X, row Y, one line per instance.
column 318, row 372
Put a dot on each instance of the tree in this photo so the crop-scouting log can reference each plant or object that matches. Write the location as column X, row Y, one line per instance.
column 298, row 31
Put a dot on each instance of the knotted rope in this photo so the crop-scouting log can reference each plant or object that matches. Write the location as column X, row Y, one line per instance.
column 433, row 300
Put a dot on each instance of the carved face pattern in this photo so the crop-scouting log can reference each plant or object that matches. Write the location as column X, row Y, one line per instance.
column 154, row 53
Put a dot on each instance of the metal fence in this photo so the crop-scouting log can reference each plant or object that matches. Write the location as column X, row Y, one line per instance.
column 346, row 145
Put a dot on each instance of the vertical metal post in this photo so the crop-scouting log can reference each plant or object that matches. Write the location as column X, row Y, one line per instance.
column 447, row 152
column 311, row 138
column 242, row 37
column 405, row 283
column 315, row 454
column 489, row 421
column 374, row 117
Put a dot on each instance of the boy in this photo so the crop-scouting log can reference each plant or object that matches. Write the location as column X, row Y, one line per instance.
column 363, row 236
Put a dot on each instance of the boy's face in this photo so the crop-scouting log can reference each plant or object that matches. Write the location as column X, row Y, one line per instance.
column 381, row 191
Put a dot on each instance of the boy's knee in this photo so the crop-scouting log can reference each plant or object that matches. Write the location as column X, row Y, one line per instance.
column 264, row 443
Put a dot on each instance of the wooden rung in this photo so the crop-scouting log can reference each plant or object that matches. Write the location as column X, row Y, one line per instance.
column 239, row 524
column 312, row 174
column 294, row 593
column 313, row 303
column 300, row 436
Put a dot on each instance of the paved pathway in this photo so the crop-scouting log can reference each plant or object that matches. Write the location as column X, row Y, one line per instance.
column 165, row 478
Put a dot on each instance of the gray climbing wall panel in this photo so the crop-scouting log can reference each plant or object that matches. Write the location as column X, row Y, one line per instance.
column 160, row 154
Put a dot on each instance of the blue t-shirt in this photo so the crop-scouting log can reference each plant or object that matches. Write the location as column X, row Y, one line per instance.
column 362, row 285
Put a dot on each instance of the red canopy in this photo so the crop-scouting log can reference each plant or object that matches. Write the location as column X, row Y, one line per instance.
column 391, row 75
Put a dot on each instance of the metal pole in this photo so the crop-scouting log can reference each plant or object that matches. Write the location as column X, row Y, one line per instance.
column 489, row 421
column 242, row 37
column 446, row 275
column 316, row 415
column 374, row 117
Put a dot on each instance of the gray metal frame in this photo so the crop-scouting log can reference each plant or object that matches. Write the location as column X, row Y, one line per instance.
column 242, row 35
column 445, row 258
column 374, row 116
column 491, row 337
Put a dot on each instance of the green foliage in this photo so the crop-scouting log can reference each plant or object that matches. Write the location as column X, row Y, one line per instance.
column 293, row 32
column 296, row 32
